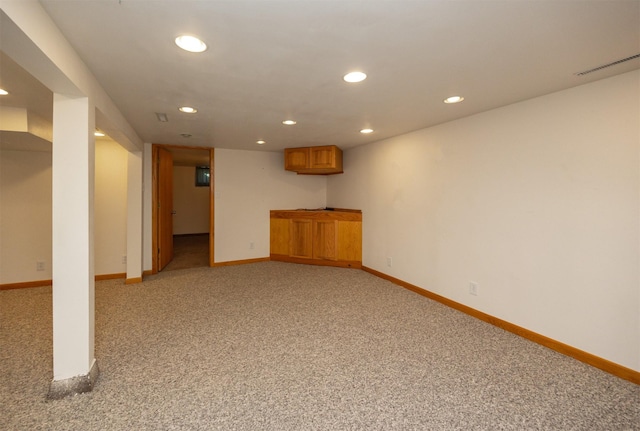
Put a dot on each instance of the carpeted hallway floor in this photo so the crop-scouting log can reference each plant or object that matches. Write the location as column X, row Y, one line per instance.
column 276, row 346
column 189, row 251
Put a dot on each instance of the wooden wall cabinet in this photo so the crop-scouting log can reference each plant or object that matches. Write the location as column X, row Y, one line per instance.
column 322, row 237
column 323, row 160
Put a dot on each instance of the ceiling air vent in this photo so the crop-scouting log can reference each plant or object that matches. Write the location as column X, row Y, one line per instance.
column 604, row 66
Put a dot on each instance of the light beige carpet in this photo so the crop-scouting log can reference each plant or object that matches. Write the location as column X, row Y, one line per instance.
column 277, row 346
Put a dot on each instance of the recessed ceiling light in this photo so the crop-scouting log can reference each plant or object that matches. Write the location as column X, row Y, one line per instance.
column 365, row 131
column 260, row 142
column 191, row 43
column 355, row 77
column 185, row 135
column 289, row 122
column 3, row 92
column 187, row 109
column 454, row 99
column 98, row 133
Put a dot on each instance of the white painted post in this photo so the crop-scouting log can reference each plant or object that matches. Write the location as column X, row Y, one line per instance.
column 74, row 367
column 134, row 217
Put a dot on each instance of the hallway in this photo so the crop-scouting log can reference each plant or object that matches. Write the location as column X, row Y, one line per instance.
column 189, row 251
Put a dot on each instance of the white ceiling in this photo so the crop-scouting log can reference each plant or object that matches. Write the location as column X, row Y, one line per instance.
column 272, row 60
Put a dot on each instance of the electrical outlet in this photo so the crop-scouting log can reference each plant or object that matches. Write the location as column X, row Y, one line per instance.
column 40, row 265
column 389, row 261
column 251, row 245
column 473, row 288
column 124, row 259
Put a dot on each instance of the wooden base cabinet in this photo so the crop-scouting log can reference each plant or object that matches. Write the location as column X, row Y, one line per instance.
column 317, row 237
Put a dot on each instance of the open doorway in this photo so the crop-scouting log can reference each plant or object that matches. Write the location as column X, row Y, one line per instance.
column 182, row 207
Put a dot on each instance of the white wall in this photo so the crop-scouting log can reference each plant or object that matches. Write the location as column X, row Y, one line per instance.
column 248, row 184
column 190, row 203
column 110, row 210
column 537, row 202
column 25, row 215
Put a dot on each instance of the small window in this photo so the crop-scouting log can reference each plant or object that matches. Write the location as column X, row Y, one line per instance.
column 202, row 176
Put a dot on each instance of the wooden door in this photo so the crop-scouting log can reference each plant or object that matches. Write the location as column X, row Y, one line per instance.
column 301, row 238
column 325, row 239
column 165, row 208
column 296, row 159
column 323, row 157
column 279, row 232
column 350, row 240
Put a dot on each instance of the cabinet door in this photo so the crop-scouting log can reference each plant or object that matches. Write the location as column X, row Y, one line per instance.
column 280, row 236
column 323, row 157
column 350, row 240
column 325, row 239
column 296, row 159
column 301, row 244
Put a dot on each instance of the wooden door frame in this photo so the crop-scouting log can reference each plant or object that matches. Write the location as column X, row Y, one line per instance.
column 212, row 207
column 154, row 201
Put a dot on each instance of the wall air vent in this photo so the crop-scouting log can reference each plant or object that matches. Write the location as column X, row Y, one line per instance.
column 604, row 66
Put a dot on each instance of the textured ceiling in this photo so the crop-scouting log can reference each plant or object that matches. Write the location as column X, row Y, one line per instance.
column 272, row 60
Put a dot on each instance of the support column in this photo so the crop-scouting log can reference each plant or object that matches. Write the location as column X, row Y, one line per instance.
column 134, row 217
column 74, row 365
